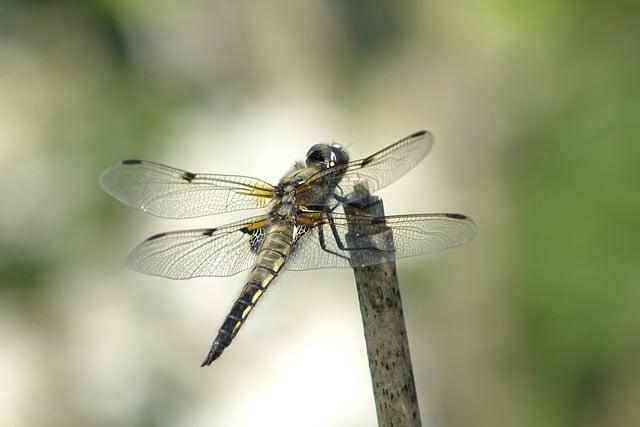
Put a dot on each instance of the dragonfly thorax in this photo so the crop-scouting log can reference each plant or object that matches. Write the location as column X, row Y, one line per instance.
column 288, row 198
column 284, row 210
column 285, row 207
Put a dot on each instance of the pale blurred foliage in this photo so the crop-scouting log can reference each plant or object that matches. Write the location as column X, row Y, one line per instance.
column 246, row 88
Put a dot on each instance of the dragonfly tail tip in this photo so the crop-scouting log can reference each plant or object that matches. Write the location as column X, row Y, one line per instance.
column 214, row 353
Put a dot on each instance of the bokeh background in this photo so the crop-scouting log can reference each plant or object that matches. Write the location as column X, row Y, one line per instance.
column 535, row 108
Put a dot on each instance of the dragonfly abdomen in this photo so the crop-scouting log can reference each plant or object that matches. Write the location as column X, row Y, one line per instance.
column 270, row 260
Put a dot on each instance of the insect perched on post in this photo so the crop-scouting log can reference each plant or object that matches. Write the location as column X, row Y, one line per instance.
column 301, row 231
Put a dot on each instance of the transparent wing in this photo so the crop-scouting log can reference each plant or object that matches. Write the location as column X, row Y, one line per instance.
column 222, row 251
column 321, row 247
column 174, row 193
column 376, row 171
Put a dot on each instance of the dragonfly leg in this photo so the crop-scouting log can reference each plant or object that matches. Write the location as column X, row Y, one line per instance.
column 341, row 245
column 351, row 199
column 336, row 236
column 323, row 244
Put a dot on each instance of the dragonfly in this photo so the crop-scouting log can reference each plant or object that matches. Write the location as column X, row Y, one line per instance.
column 301, row 228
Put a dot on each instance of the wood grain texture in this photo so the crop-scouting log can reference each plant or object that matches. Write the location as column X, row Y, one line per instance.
column 384, row 327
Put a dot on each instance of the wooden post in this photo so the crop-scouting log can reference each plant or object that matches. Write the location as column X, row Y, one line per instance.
column 385, row 333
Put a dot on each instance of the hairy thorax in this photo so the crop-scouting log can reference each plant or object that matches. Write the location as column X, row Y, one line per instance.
column 287, row 200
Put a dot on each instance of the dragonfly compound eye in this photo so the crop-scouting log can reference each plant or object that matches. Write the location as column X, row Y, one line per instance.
column 318, row 154
column 325, row 155
column 339, row 155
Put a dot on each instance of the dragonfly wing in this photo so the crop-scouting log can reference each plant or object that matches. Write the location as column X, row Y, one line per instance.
column 222, row 251
column 174, row 193
column 328, row 246
column 376, row 171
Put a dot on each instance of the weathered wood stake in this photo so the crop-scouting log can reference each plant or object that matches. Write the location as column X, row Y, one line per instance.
column 385, row 333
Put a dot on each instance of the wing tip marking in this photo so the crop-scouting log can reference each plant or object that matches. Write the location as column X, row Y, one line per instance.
column 469, row 221
column 209, row 231
column 156, row 236
column 131, row 162
column 456, row 216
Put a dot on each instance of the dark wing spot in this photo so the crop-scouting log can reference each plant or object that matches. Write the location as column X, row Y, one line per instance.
column 131, row 162
column 455, row 216
column 188, row 176
column 366, row 161
column 417, row 134
column 378, row 221
column 208, row 231
column 245, row 230
column 156, row 236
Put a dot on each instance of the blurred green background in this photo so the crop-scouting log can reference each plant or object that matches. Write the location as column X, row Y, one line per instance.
column 535, row 108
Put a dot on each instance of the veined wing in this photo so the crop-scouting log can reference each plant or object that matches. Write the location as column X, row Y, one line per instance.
column 222, row 251
column 376, row 171
column 174, row 193
column 327, row 246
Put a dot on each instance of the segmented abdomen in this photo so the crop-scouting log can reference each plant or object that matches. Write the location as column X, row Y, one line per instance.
column 271, row 258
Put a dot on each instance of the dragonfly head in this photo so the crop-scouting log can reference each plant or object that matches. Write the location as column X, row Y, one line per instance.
column 324, row 156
